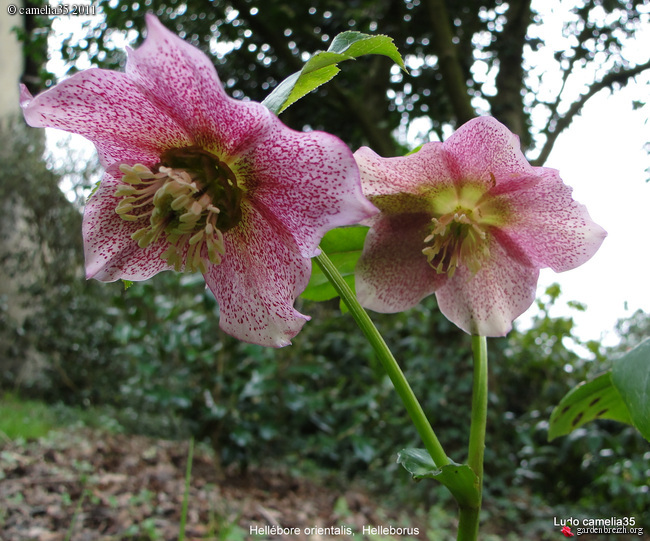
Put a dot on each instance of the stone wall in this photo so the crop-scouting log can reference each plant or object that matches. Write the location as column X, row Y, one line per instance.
column 17, row 243
column 12, row 221
column 11, row 61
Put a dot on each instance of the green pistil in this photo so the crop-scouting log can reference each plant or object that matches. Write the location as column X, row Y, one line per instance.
column 215, row 178
column 190, row 201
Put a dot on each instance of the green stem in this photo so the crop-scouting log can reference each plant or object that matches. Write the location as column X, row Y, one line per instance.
column 469, row 516
column 386, row 358
column 186, row 495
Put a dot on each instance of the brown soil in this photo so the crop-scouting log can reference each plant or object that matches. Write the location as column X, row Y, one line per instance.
column 84, row 485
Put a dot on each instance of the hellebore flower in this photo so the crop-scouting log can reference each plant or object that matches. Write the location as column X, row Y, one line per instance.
column 471, row 220
column 198, row 181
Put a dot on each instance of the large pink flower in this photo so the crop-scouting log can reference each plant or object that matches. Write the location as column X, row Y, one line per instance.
column 198, row 181
column 471, row 220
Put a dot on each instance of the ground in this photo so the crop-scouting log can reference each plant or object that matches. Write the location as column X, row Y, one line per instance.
column 83, row 485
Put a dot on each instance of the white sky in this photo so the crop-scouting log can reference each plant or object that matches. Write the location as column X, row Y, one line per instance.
column 601, row 156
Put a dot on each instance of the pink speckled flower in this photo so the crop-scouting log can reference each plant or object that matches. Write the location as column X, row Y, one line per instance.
column 471, row 220
column 198, row 181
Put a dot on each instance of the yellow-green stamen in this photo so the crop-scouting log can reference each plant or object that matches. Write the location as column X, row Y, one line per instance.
column 461, row 229
column 456, row 239
column 190, row 200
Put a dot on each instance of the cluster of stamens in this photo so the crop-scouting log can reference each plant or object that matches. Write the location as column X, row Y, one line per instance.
column 176, row 207
column 456, row 239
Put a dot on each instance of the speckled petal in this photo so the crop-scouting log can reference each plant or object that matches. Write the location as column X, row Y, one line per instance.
column 109, row 110
column 484, row 147
column 182, row 81
column 417, row 174
column 258, row 281
column 308, row 181
column 487, row 303
column 550, row 227
column 392, row 274
column 109, row 251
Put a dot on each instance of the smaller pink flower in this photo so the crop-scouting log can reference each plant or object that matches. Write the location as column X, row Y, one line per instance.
column 471, row 221
column 198, row 181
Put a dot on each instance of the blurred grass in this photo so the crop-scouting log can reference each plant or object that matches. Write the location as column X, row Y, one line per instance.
column 24, row 419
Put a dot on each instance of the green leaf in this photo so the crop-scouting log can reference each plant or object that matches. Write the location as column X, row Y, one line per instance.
column 460, row 479
column 322, row 66
column 296, row 86
column 127, row 284
column 631, row 377
column 356, row 44
column 596, row 399
column 343, row 246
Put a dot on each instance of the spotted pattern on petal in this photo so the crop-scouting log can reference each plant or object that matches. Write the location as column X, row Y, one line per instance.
column 550, row 227
column 404, row 174
column 392, row 274
column 487, row 303
column 308, row 181
column 484, row 147
column 108, row 109
column 257, row 283
column 188, row 90
column 109, row 251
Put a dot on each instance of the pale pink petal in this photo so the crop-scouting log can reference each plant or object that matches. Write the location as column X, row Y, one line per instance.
column 109, row 110
column 109, row 251
column 308, row 181
column 258, row 281
column 392, row 274
column 486, row 303
column 550, row 227
column 417, row 174
column 483, row 149
column 182, row 81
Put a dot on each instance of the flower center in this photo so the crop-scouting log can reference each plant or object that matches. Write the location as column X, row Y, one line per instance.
column 190, row 200
column 463, row 217
column 456, row 239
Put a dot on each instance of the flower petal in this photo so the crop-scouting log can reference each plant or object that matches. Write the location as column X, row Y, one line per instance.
column 483, row 149
column 487, row 302
column 109, row 251
column 108, row 109
column 392, row 274
column 308, row 181
column 182, row 81
column 416, row 173
column 550, row 227
column 258, row 281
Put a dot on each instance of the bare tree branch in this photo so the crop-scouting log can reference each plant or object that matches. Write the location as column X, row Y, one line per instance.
column 558, row 123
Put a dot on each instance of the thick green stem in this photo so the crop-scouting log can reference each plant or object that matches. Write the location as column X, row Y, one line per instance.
column 386, row 358
column 469, row 516
column 468, row 520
